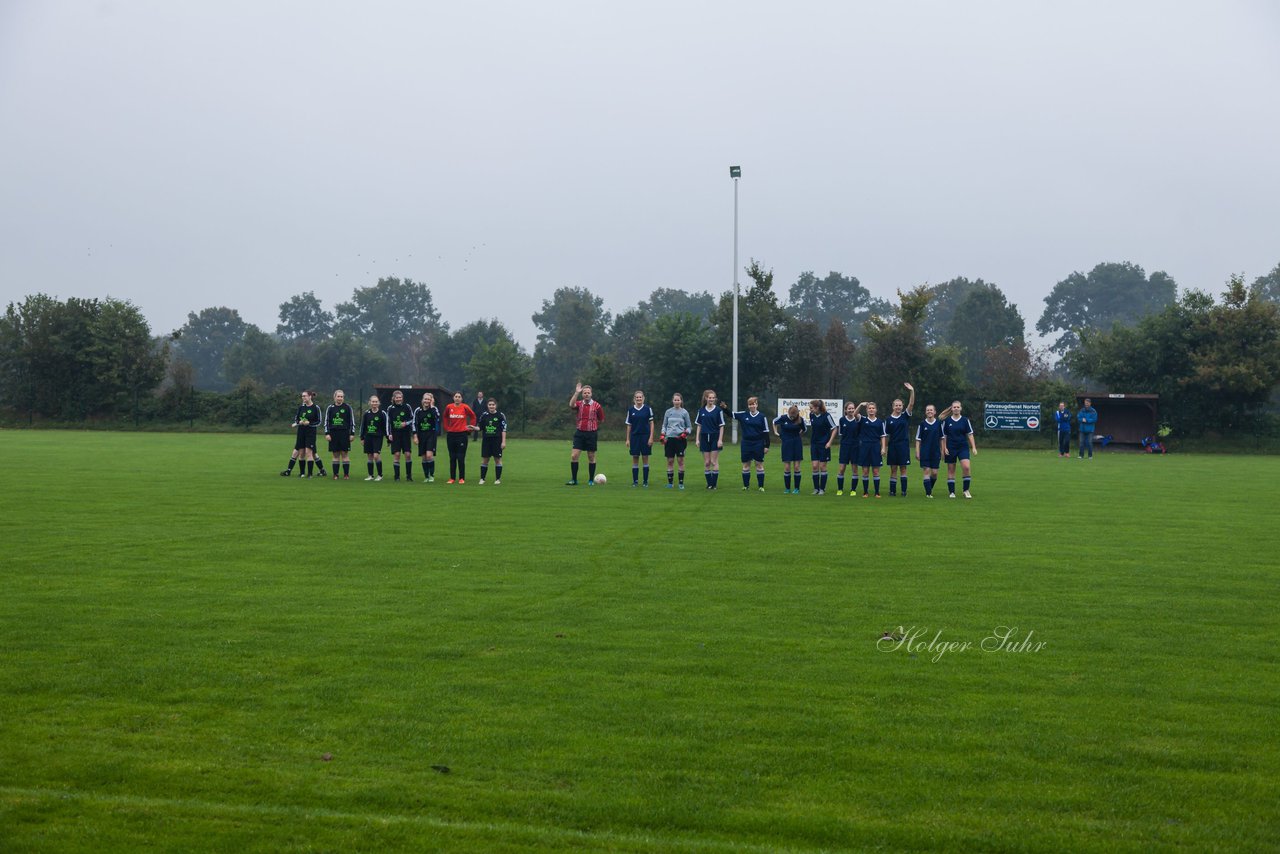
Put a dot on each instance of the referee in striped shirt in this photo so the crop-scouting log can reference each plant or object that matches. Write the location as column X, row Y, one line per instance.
column 585, row 434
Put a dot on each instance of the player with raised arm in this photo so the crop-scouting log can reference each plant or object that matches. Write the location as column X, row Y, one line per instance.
column 755, row 442
column 588, row 415
column 898, row 427
column 492, row 428
column 639, row 427
column 676, row 427
column 339, row 422
column 957, row 434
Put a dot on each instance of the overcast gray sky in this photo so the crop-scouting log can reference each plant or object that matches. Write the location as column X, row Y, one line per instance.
column 183, row 154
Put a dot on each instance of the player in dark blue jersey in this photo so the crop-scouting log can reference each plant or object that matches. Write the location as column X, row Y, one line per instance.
column 822, row 432
column 929, row 448
column 754, row 443
column 339, row 424
column 847, row 429
column 898, row 426
column 708, row 432
column 426, row 431
column 872, row 439
column 959, row 444
column 639, row 425
column 492, row 429
column 790, row 427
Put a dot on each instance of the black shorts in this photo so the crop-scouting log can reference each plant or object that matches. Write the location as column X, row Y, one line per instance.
column 953, row 455
column 457, row 443
column 899, row 455
column 848, row 453
column 819, row 453
column 928, row 462
column 402, row 441
column 427, row 442
column 306, row 440
column 752, row 451
column 373, row 444
column 640, row 446
column 339, row 441
column 586, row 440
column 676, row 447
column 869, row 456
column 707, row 441
column 491, row 446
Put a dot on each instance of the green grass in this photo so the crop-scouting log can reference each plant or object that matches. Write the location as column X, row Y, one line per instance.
column 186, row 635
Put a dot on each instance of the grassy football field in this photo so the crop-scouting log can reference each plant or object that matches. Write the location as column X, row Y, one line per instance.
column 200, row 654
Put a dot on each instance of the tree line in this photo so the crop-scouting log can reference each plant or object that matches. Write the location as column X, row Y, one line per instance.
column 1215, row 361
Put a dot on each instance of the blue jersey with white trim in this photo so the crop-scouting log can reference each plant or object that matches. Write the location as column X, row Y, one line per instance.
column 898, row 427
column 870, row 432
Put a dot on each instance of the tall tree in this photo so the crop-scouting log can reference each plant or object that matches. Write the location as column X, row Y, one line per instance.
column 398, row 317
column 127, row 361
column 256, row 356
column 944, row 299
column 681, row 354
column 763, row 329
column 1111, row 293
column 804, row 360
column 1268, row 286
column 303, row 317
column 833, row 297
column 837, row 354
column 894, row 352
column 671, row 300
column 204, row 340
column 623, row 345
column 572, row 325
column 985, row 319
column 457, row 349
column 347, row 362
column 502, row 370
column 1215, row 366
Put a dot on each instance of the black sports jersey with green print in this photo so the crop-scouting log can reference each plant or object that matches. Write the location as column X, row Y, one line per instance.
column 310, row 414
column 426, row 419
column 493, row 424
column 374, row 423
column 339, row 418
column 401, row 415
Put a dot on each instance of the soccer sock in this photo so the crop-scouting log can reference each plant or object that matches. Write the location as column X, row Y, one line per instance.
column 646, row 475
column 335, row 468
column 671, row 477
column 497, row 472
column 746, row 478
column 408, row 469
column 893, row 485
column 346, row 468
column 967, row 481
column 311, row 467
column 682, row 477
column 928, row 486
column 378, row 463
column 369, row 463
column 816, row 480
column 484, row 471
column 786, row 478
column 951, row 485
column 573, row 471
column 292, row 460
column 715, row 477
column 760, row 477
column 320, row 465
column 396, row 465
column 902, row 485
column 591, row 470
column 706, row 475
column 876, row 482
column 824, row 482
column 866, row 485
column 635, row 474
column 840, row 483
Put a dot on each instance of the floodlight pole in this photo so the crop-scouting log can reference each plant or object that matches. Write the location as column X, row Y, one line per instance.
column 735, row 172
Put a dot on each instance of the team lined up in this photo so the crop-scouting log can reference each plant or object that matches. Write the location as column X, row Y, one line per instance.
column 402, row 427
column 866, row 440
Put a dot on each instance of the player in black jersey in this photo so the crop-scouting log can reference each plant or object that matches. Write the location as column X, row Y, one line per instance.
column 306, row 419
column 493, row 440
column 374, row 428
column 426, row 428
column 339, row 421
column 400, row 414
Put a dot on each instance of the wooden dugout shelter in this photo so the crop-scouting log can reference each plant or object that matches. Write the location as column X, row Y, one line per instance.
column 1126, row 418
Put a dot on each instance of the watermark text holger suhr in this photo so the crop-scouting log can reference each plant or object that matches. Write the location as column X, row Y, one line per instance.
column 918, row 640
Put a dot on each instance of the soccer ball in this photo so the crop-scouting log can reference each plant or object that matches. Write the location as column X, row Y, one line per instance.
column 601, row 479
